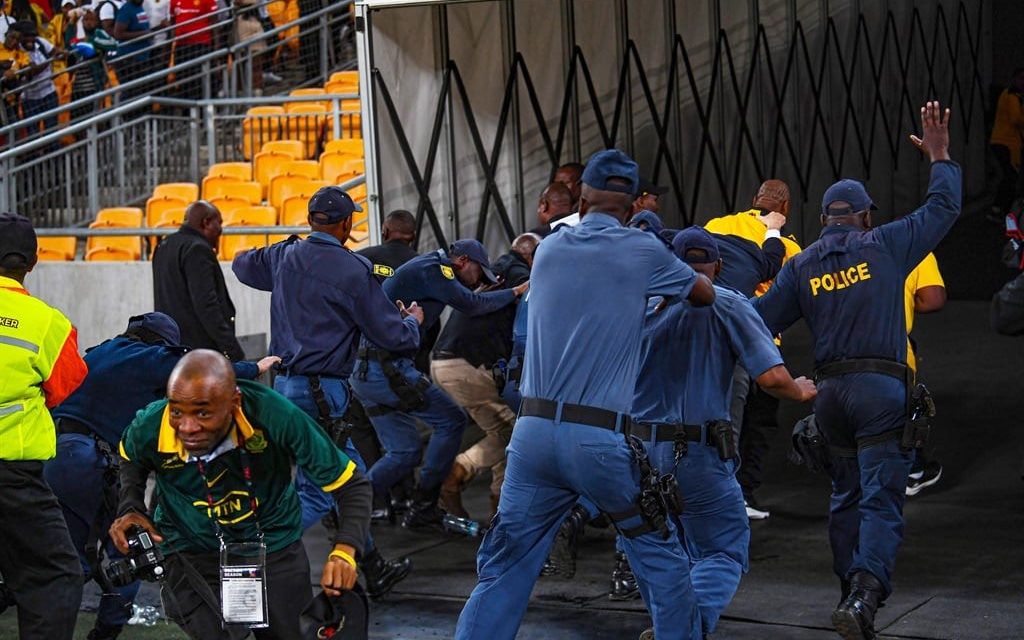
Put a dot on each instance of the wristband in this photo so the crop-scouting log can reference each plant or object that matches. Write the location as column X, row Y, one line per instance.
column 772, row 233
column 338, row 553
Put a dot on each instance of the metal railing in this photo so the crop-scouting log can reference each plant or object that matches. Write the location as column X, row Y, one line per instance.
column 303, row 52
column 119, row 156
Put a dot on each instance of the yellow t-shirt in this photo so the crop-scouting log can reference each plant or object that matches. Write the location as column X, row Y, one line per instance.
column 925, row 274
column 1008, row 125
column 746, row 225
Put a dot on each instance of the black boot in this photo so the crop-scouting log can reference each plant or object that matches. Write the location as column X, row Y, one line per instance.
column 382, row 575
column 624, row 586
column 854, row 619
column 562, row 559
column 423, row 513
column 844, row 590
column 104, row 632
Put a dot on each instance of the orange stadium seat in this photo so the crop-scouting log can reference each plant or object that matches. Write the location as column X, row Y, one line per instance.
column 285, row 187
column 336, row 168
column 311, row 91
column 351, row 76
column 256, row 216
column 186, row 191
column 52, row 248
column 358, row 194
column 306, row 122
column 261, row 125
column 349, row 147
column 163, row 218
column 217, row 187
column 226, row 204
column 241, row 171
column 293, row 148
column 230, row 246
column 308, row 168
column 268, row 165
column 341, row 86
column 156, row 208
column 119, row 217
column 108, row 248
column 295, row 211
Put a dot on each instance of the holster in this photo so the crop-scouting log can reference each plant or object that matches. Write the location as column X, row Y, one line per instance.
column 650, row 504
column 918, row 428
column 411, row 396
column 721, row 433
column 810, row 447
column 338, row 429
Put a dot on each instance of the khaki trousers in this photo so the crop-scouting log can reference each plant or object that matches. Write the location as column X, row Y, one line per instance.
column 474, row 390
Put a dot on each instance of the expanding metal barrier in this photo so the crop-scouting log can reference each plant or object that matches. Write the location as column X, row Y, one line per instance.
column 119, row 156
column 710, row 118
column 302, row 52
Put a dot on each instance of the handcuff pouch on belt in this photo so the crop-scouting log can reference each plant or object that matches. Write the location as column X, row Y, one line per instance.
column 411, row 396
column 651, row 505
column 338, row 429
column 810, row 447
column 919, row 404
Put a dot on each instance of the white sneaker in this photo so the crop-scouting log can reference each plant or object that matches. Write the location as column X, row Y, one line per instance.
column 754, row 513
column 270, row 76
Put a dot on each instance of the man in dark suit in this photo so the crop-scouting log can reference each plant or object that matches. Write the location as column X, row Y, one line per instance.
column 188, row 284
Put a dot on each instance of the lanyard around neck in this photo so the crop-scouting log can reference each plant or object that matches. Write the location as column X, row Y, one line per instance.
column 249, row 491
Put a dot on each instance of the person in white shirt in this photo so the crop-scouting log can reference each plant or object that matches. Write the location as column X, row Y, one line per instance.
column 39, row 94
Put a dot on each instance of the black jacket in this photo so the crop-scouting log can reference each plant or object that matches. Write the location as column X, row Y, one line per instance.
column 188, row 285
column 1007, row 315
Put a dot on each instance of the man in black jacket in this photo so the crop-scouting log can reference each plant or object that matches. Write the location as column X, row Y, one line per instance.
column 188, row 284
column 467, row 349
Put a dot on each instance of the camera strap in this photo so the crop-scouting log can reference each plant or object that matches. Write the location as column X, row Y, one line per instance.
column 243, row 565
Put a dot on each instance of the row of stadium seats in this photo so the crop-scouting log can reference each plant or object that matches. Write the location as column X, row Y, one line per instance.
column 306, row 121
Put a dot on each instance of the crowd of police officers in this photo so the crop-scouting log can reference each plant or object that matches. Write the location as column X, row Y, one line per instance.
column 624, row 380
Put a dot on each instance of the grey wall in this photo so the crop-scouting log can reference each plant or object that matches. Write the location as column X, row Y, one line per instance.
column 99, row 297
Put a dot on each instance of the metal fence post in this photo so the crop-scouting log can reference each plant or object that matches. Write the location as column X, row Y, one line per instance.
column 211, row 135
column 207, row 81
column 119, row 148
column 193, row 129
column 336, row 117
column 92, row 170
column 6, row 185
column 325, row 40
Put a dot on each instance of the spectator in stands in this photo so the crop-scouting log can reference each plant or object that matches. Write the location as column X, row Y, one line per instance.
column 92, row 78
column 159, row 12
column 555, row 203
column 1005, row 141
column 570, row 175
column 188, row 283
column 6, row 21
column 24, row 10
column 106, row 11
column 193, row 34
column 248, row 26
column 131, row 28
column 40, row 93
column 13, row 60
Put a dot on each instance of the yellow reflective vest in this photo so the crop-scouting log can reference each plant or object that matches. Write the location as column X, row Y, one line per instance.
column 39, row 367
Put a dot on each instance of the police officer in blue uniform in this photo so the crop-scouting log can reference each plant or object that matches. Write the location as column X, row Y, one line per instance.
column 395, row 394
column 681, row 412
column 126, row 373
column 323, row 298
column 848, row 286
column 582, row 360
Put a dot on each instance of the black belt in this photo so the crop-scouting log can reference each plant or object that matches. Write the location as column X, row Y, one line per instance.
column 445, row 355
column 667, row 432
column 577, row 413
column 369, row 353
column 891, row 368
column 67, row 425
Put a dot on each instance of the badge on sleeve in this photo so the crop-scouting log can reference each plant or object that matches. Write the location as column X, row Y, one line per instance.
column 447, row 272
column 383, row 270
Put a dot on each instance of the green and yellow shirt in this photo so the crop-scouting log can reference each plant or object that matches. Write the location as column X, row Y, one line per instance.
column 274, row 434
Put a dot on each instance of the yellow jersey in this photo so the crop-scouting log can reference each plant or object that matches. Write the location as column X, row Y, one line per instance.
column 746, row 225
column 925, row 274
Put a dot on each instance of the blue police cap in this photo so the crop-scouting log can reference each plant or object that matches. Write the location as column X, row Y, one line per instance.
column 17, row 240
column 475, row 251
column 608, row 164
column 849, row 191
column 330, row 205
column 649, row 218
column 161, row 324
column 696, row 238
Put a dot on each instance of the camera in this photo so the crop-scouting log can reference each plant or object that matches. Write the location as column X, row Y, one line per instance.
column 143, row 562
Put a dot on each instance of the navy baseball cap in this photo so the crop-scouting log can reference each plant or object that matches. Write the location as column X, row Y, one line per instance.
column 695, row 238
column 330, row 205
column 647, row 186
column 850, row 192
column 608, row 164
column 161, row 324
column 475, row 251
column 649, row 218
column 17, row 238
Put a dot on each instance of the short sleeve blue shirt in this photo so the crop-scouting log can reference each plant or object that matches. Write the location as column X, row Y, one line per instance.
column 689, row 354
column 588, row 294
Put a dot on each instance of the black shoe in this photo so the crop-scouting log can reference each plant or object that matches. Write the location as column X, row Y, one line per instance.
column 423, row 513
column 624, row 586
column 854, row 619
column 562, row 559
column 383, row 514
column 104, row 632
column 923, row 478
column 382, row 575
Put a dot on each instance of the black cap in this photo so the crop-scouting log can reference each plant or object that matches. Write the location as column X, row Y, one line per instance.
column 649, row 219
column 330, row 205
column 646, row 186
column 475, row 251
column 606, row 168
column 17, row 238
column 161, row 324
column 696, row 238
column 341, row 617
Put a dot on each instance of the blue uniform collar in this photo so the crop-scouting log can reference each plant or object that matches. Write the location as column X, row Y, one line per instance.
column 839, row 228
column 599, row 220
column 326, row 237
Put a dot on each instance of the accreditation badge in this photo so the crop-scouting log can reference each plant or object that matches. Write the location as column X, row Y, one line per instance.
column 243, row 586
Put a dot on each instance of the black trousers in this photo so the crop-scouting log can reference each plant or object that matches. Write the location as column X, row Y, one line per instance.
column 760, row 422
column 37, row 558
column 194, row 599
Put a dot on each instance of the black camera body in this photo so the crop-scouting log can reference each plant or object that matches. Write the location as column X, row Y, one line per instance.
column 144, row 560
